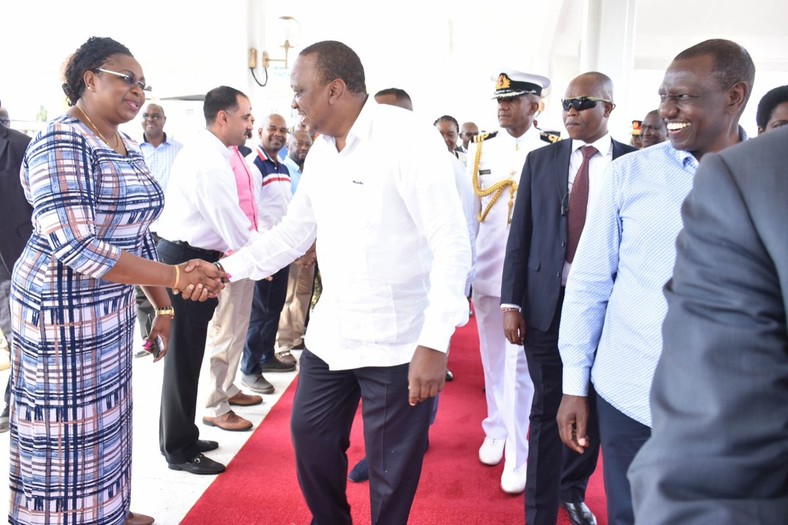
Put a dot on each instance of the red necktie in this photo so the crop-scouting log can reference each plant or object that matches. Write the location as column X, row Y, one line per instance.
column 578, row 201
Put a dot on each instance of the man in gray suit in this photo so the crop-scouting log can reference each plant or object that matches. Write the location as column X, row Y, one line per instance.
column 718, row 452
column 15, row 227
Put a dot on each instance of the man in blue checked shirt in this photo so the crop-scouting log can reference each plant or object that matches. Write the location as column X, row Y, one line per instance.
column 611, row 320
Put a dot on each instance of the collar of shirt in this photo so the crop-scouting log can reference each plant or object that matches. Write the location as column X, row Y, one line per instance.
column 264, row 156
column 530, row 135
column 210, row 139
column 145, row 140
column 603, row 145
column 292, row 167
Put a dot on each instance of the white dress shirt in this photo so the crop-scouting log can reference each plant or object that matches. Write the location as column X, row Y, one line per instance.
column 201, row 201
column 394, row 250
column 502, row 158
column 596, row 169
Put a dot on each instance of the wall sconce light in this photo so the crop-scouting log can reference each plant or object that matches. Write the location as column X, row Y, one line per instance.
column 291, row 32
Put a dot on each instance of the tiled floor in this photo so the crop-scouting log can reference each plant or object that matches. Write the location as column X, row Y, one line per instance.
column 158, row 491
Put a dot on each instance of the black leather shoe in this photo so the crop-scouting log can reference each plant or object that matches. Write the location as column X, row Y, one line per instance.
column 199, row 465
column 579, row 513
column 203, row 445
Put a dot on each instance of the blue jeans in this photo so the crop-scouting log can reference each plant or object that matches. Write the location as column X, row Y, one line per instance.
column 269, row 299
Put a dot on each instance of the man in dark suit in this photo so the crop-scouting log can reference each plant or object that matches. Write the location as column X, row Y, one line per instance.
column 539, row 254
column 718, row 451
column 15, row 227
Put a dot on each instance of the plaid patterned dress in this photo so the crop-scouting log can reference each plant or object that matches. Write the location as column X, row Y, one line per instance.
column 71, row 356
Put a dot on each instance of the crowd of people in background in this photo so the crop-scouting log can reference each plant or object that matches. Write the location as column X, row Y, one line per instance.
column 563, row 250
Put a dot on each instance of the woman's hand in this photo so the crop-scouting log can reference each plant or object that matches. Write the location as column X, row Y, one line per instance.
column 159, row 334
column 199, row 280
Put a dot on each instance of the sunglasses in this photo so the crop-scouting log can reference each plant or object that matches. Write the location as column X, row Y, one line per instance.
column 130, row 80
column 582, row 103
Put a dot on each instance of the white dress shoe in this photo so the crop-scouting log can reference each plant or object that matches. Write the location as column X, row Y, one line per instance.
column 491, row 451
column 513, row 480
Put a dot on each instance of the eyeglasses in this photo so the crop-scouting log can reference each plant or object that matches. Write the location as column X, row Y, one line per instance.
column 152, row 116
column 582, row 103
column 128, row 79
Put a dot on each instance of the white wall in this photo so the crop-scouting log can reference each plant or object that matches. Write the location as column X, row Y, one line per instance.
column 442, row 52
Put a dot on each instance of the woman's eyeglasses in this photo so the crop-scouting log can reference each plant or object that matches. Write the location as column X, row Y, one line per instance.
column 130, row 80
column 582, row 103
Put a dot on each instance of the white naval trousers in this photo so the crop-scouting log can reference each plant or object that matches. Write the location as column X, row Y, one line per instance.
column 507, row 383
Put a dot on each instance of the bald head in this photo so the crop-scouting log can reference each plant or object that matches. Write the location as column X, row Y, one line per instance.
column 273, row 134
column 394, row 97
column 588, row 103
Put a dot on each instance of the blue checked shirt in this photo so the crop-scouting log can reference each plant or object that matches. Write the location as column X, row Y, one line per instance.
column 159, row 159
column 611, row 322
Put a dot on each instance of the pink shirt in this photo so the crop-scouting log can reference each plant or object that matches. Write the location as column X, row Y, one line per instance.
column 245, row 185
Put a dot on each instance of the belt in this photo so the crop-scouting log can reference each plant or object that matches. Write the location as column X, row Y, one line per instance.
column 215, row 254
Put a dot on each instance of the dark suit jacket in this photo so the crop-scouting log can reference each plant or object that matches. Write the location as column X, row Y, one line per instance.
column 719, row 446
column 15, row 225
column 536, row 248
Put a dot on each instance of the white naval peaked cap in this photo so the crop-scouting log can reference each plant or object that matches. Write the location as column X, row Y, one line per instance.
column 512, row 83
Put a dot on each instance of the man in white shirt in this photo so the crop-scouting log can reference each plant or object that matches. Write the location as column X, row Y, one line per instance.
column 202, row 219
column 394, row 254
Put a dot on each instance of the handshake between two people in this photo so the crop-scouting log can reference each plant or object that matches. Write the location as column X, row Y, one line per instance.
column 199, row 280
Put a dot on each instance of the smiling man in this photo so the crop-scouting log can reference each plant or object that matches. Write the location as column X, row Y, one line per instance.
column 653, row 130
column 557, row 185
column 611, row 321
column 159, row 151
column 394, row 253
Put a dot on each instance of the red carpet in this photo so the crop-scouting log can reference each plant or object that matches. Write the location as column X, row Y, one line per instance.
column 260, row 485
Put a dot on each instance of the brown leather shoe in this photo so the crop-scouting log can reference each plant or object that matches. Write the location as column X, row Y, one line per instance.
column 229, row 421
column 138, row 519
column 245, row 400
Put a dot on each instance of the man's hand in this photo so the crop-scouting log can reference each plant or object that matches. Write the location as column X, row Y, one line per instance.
column 572, row 421
column 514, row 327
column 203, row 280
column 426, row 374
column 307, row 260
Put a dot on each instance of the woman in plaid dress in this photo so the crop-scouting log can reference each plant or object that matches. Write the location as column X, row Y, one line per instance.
column 72, row 299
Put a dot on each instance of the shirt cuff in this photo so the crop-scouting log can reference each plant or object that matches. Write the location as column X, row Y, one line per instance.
column 506, row 306
column 236, row 267
column 576, row 381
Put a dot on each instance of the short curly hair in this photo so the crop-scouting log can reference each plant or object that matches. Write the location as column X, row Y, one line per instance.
column 90, row 55
column 768, row 103
column 337, row 60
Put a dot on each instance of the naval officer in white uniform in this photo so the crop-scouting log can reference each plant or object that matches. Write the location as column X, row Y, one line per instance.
column 494, row 163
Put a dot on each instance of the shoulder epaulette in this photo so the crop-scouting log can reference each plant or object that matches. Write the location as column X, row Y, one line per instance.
column 550, row 136
column 481, row 137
